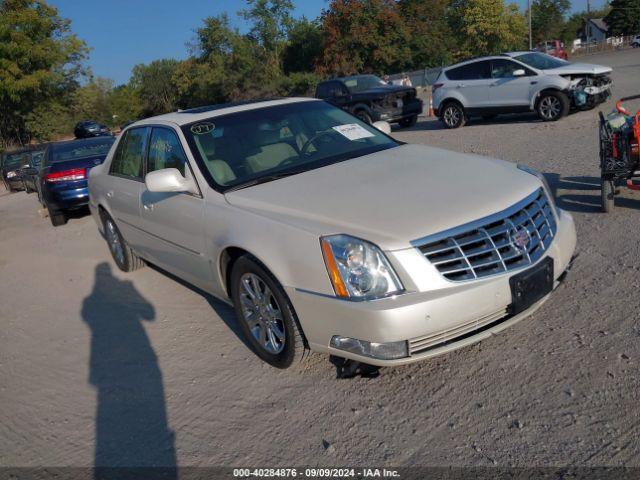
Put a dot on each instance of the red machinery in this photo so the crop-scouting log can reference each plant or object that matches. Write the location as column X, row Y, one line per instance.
column 619, row 152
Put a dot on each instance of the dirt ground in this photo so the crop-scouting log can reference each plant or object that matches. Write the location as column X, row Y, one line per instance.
column 139, row 369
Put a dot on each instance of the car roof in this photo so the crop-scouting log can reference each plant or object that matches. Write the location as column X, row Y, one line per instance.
column 183, row 117
column 81, row 141
column 472, row 60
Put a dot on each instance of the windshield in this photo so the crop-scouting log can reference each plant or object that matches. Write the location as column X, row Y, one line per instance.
column 82, row 149
column 541, row 61
column 363, row 82
column 13, row 160
column 244, row 148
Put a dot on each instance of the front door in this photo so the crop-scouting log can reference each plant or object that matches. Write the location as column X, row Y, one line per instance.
column 507, row 89
column 174, row 222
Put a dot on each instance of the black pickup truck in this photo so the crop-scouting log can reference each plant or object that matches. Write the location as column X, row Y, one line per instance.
column 371, row 99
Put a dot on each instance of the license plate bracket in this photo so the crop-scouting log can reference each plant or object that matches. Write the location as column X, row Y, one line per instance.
column 531, row 285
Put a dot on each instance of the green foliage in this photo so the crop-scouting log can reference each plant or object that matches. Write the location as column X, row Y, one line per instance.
column 624, row 17
column 547, row 19
column 363, row 36
column 431, row 39
column 155, row 86
column 304, row 46
column 40, row 63
column 487, row 27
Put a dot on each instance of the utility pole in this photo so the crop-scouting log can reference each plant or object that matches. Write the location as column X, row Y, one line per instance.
column 588, row 26
column 530, row 36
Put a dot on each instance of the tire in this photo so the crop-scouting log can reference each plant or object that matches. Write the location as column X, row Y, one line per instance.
column 270, row 324
column 453, row 115
column 608, row 193
column 552, row 106
column 122, row 254
column 408, row 121
column 57, row 217
column 364, row 116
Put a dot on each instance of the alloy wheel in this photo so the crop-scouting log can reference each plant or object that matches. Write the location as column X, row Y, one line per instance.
column 113, row 239
column 550, row 107
column 262, row 313
column 452, row 116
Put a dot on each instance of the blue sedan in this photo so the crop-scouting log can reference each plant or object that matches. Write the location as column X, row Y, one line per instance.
column 62, row 180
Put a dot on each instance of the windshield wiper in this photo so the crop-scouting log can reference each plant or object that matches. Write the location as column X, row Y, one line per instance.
column 265, row 179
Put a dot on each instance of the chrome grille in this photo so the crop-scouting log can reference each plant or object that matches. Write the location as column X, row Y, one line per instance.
column 511, row 239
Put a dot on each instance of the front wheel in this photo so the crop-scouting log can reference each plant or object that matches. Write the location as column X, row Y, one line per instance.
column 453, row 115
column 364, row 116
column 265, row 314
column 552, row 106
column 608, row 192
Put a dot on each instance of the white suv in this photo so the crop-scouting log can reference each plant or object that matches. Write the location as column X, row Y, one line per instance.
column 517, row 82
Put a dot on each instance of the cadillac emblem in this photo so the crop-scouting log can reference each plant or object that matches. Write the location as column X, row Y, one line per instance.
column 519, row 238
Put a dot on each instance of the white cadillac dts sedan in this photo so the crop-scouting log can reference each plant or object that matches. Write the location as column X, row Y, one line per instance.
column 326, row 234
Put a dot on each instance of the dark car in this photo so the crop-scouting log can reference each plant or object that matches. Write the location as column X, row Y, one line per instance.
column 62, row 179
column 30, row 171
column 12, row 164
column 89, row 128
column 371, row 99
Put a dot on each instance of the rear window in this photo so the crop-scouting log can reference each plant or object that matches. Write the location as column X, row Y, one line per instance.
column 471, row 71
column 75, row 151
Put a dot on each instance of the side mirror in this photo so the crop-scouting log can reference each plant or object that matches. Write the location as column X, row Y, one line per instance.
column 383, row 126
column 519, row 73
column 169, row 180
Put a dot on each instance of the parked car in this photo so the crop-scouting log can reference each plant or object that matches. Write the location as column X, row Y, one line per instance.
column 31, row 170
column 89, row 128
column 635, row 41
column 371, row 99
column 555, row 48
column 12, row 164
column 517, row 82
column 62, row 178
column 327, row 234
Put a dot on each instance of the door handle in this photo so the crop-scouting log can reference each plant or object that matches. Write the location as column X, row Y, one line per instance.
column 148, row 206
column 110, row 194
column 460, row 85
column 534, row 83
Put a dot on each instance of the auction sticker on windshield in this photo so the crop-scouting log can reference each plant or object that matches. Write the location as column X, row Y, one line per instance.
column 353, row 131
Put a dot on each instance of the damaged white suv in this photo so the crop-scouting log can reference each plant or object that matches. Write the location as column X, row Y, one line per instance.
column 518, row 82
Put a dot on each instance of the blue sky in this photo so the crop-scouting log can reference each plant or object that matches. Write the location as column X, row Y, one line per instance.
column 123, row 33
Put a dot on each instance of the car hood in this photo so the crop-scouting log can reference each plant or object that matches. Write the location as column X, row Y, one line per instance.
column 578, row 68
column 391, row 197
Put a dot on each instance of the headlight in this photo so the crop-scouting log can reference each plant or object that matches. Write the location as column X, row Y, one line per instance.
column 11, row 174
column 545, row 184
column 358, row 269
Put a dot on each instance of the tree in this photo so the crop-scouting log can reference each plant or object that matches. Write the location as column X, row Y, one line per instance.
column 430, row 37
column 547, row 18
column 40, row 64
column 487, row 27
column 155, row 86
column 304, row 46
column 362, row 36
column 624, row 17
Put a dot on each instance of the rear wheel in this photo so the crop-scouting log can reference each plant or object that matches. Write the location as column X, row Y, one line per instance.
column 408, row 121
column 608, row 192
column 552, row 106
column 265, row 314
column 453, row 115
column 121, row 252
column 57, row 217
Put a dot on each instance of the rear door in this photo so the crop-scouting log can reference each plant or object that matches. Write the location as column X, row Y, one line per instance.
column 471, row 83
column 174, row 222
column 124, row 184
column 506, row 89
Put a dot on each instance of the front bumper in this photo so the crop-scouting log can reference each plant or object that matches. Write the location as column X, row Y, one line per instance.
column 393, row 114
column 431, row 322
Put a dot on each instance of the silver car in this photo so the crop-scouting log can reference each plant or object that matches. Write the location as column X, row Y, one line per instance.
column 517, row 82
column 326, row 234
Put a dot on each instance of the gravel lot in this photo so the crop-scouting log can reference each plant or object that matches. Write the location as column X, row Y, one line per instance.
column 140, row 369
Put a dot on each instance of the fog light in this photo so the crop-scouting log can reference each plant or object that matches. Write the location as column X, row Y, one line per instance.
column 383, row 351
